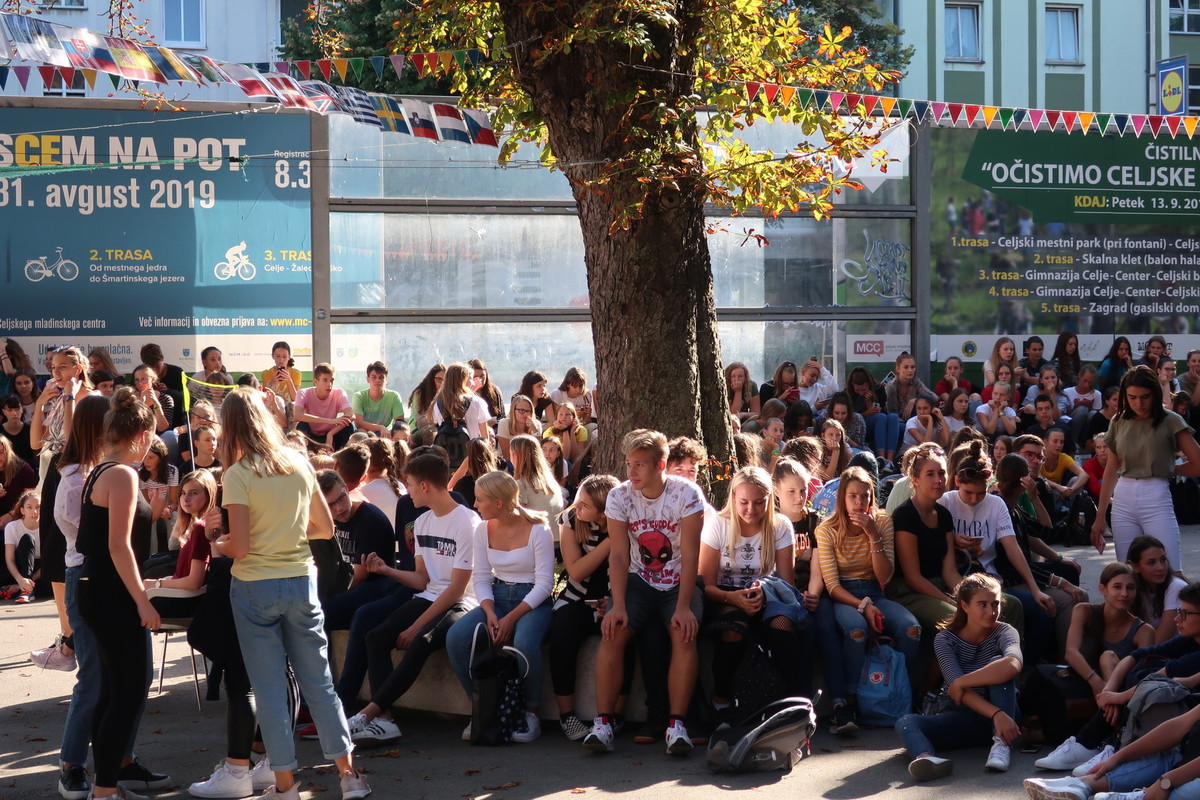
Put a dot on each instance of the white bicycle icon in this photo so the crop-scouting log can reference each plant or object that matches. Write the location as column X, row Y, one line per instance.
column 236, row 263
column 37, row 268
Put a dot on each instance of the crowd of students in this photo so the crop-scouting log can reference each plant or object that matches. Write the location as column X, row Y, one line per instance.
column 446, row 521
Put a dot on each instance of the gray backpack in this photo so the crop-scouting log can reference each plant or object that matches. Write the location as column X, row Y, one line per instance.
column 1156, row 699
column 775, row 737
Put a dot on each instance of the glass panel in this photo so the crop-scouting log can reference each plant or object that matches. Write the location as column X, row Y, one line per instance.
column 192, row 29
column 509, row 349
column 1193, row 22
column 874, row 259
column 953, row 40
column 969, row 25
column 761, row 346
column 456, row 261
column 173, row 22
column 1053, row 36
column 794, row 269
column 1176, row 22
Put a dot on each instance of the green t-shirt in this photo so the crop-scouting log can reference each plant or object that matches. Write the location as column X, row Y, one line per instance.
column 278, row 520
column 383, row 412
column 1145, row 451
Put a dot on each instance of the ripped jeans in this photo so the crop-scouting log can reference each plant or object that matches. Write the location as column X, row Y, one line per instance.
column 842, row 631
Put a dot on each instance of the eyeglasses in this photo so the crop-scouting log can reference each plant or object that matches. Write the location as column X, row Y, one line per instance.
column 971, row 474
column 522, row 411
column 1183, row 613
column 1033, row 457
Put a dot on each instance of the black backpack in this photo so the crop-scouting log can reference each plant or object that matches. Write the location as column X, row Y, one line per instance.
column 775, row 737
column 452, row 436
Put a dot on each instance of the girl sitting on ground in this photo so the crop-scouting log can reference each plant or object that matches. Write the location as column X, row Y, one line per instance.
column 1158, row 586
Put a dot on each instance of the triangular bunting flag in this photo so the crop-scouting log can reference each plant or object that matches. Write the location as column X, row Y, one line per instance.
column 806, row 97
column 446, row 59
column 342, row 65
column 116, row 80
column 906, row 107
column 1121, row 121
column 68, row 75
column 356, row 66
column 262, row 66
column 48, row 72
column 1139, row 123
column 786, row 95
column 377, row 65
column 889, row 104
column 1085, row 120
column 989, row 114
column 305, row 68
column 460, row 58
column 939, row 111
column 1035, row 118
column 3, row 76
column 1019, row 115
column 89, row 76
column 1102, row 122
column 326, row 67
column 473, row 56
column 283, row 67
column 752, row 89
column 956, row 111
column 1189, row 125
column 852, row 101
column 869, row 102
column 921, row 109
column 22, row 74
column 971, row 113
column 397, row 64
column 1173, row 124
column 835, row 100
column 819, row 98
column 1068, row 120
column 419, row 61
column 1156, row 123
column 1052, row 118
column 771, row 90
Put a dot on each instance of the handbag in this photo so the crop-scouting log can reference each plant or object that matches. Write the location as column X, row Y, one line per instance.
column 497, row 690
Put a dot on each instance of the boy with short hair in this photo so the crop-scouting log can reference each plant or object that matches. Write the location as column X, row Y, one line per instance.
column 322, row 412
column 654, row 521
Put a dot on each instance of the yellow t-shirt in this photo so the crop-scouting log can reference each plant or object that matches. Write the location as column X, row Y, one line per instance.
column 581, row 434
column 269, row 374
column 848, row 558
column 1060, row 469
column 278, row 519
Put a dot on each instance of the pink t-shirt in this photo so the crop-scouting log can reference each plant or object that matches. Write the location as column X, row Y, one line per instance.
column 308, row 402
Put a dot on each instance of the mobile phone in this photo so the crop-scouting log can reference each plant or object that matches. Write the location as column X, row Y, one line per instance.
column 593, row 603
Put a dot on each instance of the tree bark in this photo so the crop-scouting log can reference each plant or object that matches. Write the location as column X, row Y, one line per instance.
column 658, row 355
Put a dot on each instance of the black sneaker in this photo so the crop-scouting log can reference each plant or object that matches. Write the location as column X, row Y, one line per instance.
column 842, row 720
column 135, row 777
column 73, row 783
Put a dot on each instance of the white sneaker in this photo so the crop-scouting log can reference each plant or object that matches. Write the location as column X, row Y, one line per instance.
column 998, row 757
column 678, row 741
column 356, row 724
column 600, row 737
column 379, row 731
column 1068, row 755
column 529, row 731
column 1057, row 789
column 53, row 658
column 1135, row 795
column 273, row 793
column 226, row 781
column 466, row 734
column 1086, row 767
column 929, row 768
column 354, row 786
column 262, row 776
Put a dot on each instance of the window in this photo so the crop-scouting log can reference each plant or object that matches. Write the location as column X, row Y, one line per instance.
column 1062, row 35
column 183, row 22
column 59, row 88
column 1193, row 90
column 64, row 3
column 1184, row 16
column 962, row 32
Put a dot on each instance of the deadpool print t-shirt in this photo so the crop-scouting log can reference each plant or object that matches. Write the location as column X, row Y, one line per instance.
column 654, row 554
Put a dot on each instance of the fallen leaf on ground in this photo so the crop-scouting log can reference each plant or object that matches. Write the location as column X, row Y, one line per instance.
column 36, row 739
column 158, row 731
column 471, row 772
column 577, row 790
column 509, row 785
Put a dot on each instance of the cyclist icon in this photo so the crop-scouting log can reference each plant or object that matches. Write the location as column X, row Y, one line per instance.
column 236, row 263
column 37, row 268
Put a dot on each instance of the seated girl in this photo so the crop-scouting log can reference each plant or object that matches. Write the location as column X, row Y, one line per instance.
column 539, row 489
column 772, row 439
column 747, row 562
column 513, row 576
column 955, row 411
column 552, row 450
column 22, row 549
column 996, row 416
column 283, row 378
column 24, row 383
column 566, row 428
column 842, row 409
column 1049, row 385
column 855, row 548
column 573, row 390
column 953, row 379
column 980, row 659
column 742, row 392
column 1099, row 421
column 797, row 420
column 204, row 445
column 198, row 495
column 884, row 427
column 16, row 429
column 159, row 483
column 835, row 453
column 520, row 420
column 1005, row 375
column 1158, row 586
column 925, row 425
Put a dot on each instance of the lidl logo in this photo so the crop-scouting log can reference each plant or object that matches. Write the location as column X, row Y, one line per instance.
column 1172, row 92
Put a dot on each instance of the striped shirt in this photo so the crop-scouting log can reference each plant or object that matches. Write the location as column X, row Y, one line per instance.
column 846, row 556
column 594, row 586
column 958, row 657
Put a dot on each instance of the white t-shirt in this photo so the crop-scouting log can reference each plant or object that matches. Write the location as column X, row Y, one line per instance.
column 16, row 530
column 1170, row 601
column 1094, row 396
column 654, row 553
column 817, row 393
column 1006, row 411
column 502, row 428
column 558, row 397
column 68, row 505
column 749, row 553
column 910, row 439
column 445, row 544
column 477, row 414
column 986, row 523
column 380, row 494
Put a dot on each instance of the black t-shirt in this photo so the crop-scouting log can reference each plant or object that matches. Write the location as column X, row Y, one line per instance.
column 406, row 516
column 931, row 542
column 1068, row 440
column 20, row 443
column 367, row 531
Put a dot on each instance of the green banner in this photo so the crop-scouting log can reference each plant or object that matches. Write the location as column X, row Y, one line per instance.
column 1089, row 179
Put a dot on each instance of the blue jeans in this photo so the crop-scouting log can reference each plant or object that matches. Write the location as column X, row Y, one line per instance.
column 279, row 620
column 363, row 619
column 885, row 431
column 528, row 636
column 842, row 630
column 77, row 733
column 958, row 727
column 1140, row 773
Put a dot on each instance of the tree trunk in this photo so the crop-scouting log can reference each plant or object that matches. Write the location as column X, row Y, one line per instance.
column 658, row 356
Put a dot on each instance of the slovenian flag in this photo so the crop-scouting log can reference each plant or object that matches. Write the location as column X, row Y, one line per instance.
column 420, row 119
column 450, row 123
column 480, row 127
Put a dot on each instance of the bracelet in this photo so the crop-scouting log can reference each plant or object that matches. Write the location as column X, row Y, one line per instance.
column 862, row 604
column 158, row 583
column 1091, row 675
column 998, row 711
column 1060, row 558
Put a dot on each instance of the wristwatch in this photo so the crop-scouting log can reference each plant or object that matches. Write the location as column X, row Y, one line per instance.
column 1164, row 783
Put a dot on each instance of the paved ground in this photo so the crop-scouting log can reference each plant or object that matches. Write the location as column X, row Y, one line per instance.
column 431, row 762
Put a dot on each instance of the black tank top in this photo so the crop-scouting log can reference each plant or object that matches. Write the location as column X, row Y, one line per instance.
column 92, row 541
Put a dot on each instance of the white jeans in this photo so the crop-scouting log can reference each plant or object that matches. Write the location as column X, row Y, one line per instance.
column 1143, row 506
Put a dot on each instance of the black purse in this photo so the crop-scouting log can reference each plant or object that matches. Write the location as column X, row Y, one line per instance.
column 497, row 690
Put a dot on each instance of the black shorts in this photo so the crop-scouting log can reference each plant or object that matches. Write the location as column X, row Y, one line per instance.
column 646, row 605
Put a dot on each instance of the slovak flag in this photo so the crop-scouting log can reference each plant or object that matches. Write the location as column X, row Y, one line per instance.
column 450, row 123
column 480, row 127
column 87, row 50
column 420, row 119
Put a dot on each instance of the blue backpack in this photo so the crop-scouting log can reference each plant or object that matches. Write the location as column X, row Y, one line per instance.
column 884, row 693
